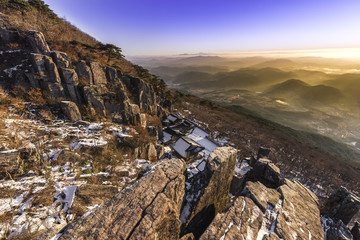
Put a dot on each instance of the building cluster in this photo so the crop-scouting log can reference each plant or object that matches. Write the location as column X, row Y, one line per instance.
column 186, row 138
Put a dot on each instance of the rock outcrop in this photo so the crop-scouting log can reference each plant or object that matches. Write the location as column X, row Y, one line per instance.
column 207, row 190
column 286, row 212
column 344, row 206
column 148, row 209
column 37, row 42
column 242, row 221
column 102, row 90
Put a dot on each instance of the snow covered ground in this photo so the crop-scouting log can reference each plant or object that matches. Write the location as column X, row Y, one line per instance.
column 40, row 199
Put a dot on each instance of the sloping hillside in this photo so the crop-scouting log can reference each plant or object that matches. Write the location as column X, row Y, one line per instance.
column 298, row 90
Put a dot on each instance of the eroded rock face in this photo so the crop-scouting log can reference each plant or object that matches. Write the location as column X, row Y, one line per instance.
column 287, row 212
column 207, row 192
column 299, row 217
column 61, row 59
column 37, row 42
column 98, row 73
column 261, row 195
column 84, row 72
column 71, row 110
column 148, row 209
column 45, row 67
column 242, row 221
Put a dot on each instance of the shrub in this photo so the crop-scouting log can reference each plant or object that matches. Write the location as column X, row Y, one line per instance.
column 36, row 96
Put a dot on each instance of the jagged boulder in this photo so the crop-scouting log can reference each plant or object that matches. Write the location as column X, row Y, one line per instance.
column 68, row 76
column 242, row 221
column 71, row 110
column 113, row 75
column 268, row 172
column 207, row 191
column 70, row 82
column 336, row 230
column 61, row 59
column 143, row 92
column 263, row 152
column 147, row 209
column 37, row 42
column 343, row 205
column 290, row 212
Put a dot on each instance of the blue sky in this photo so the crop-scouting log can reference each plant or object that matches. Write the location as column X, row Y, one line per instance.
column 154, row 27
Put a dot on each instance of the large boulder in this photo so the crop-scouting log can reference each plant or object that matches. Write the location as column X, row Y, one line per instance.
column 267, row 172
column 147, row 209
column 144, row 94
column 336, row 230
column 261, row 195
column 68, row 76
column 208, row 187
column 299, row 216
column 343, row 205
column 71, row 110
column 242, row 221
column 37, row 42
column 290, row 212
column 61, row 59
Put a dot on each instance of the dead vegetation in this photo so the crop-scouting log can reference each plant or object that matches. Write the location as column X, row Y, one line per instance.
column 295, row 158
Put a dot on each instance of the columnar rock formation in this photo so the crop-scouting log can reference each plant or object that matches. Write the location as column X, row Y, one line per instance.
column 103, row 90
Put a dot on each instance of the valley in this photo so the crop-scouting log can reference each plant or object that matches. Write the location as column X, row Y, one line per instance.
column 316, row 95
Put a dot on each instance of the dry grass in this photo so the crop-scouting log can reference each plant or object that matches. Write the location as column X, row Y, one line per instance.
column 45, row 197
column 153, row 120
column 138, row 140
column 288, row 153
column 63, row 36
column 91, row 194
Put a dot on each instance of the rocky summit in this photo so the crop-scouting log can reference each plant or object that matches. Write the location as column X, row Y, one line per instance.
column 95, row 147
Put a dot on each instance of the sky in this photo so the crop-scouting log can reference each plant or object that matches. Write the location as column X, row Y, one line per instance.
column 166, row 27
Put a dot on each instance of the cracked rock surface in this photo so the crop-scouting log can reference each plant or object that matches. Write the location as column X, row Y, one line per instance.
column 148, row 208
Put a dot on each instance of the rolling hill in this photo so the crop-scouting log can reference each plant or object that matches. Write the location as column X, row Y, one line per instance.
column 297, row 90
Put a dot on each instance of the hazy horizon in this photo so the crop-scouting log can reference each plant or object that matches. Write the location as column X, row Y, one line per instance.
column 160, row 27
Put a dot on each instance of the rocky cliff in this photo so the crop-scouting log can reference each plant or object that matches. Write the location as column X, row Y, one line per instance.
column 93, row 88
column 162, row 205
